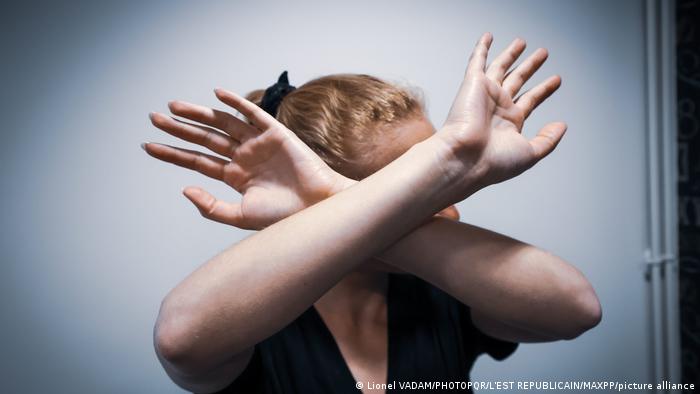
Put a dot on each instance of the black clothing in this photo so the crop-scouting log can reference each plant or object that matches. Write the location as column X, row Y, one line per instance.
column 430, row 334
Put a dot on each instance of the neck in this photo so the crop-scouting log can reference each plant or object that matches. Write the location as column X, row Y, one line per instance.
column 359, row 296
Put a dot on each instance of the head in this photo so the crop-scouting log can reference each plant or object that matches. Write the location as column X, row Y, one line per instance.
column 356, row 123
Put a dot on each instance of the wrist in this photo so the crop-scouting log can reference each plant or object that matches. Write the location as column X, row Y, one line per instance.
column 458, row 172
column 446, row 171
column 339, row 184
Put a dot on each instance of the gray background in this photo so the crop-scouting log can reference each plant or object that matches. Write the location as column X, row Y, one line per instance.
column 95, row 233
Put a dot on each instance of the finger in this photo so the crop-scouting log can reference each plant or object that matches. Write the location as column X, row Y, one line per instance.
column 515, row 79
column 529, row 100
column 213, row 209
column 208, row 165
column 256, row 115
column 450, row 212
column 221, row 120
column 497, row 70
column 477, row 61
column 207, row 137
column 547, row 139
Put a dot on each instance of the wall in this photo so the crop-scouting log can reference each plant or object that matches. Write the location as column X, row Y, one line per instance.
column 94, row 232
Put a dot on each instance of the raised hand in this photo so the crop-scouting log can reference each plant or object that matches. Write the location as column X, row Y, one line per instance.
column 276, row 173
column 484, row 125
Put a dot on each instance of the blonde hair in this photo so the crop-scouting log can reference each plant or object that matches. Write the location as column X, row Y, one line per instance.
column 340, row 116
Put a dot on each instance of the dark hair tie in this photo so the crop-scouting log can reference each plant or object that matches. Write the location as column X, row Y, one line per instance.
column 274, row 94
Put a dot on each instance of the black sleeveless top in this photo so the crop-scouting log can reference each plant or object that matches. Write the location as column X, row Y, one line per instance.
column 430, row 334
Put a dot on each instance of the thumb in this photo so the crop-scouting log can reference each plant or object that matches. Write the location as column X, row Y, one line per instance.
column 214, row 209
column 547, row 139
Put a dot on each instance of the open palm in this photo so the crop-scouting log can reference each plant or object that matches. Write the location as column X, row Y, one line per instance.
column 276, row 173
column 486, row 119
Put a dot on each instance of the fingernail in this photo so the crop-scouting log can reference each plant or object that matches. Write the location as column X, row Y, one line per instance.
column 143, row 146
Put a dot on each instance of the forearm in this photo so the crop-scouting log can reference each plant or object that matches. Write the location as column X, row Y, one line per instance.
column 513, row 282
column 254, row 288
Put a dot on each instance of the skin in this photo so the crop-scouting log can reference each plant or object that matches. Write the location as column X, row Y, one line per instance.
column 209, row 323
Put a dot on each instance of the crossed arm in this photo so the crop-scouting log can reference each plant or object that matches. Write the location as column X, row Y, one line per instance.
column 209, row 323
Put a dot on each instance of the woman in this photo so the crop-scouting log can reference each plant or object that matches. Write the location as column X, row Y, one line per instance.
column 361, row 277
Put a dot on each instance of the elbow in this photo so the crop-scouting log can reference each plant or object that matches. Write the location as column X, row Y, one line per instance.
column 586, row 312
column 168, row 345
column 173, row 340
